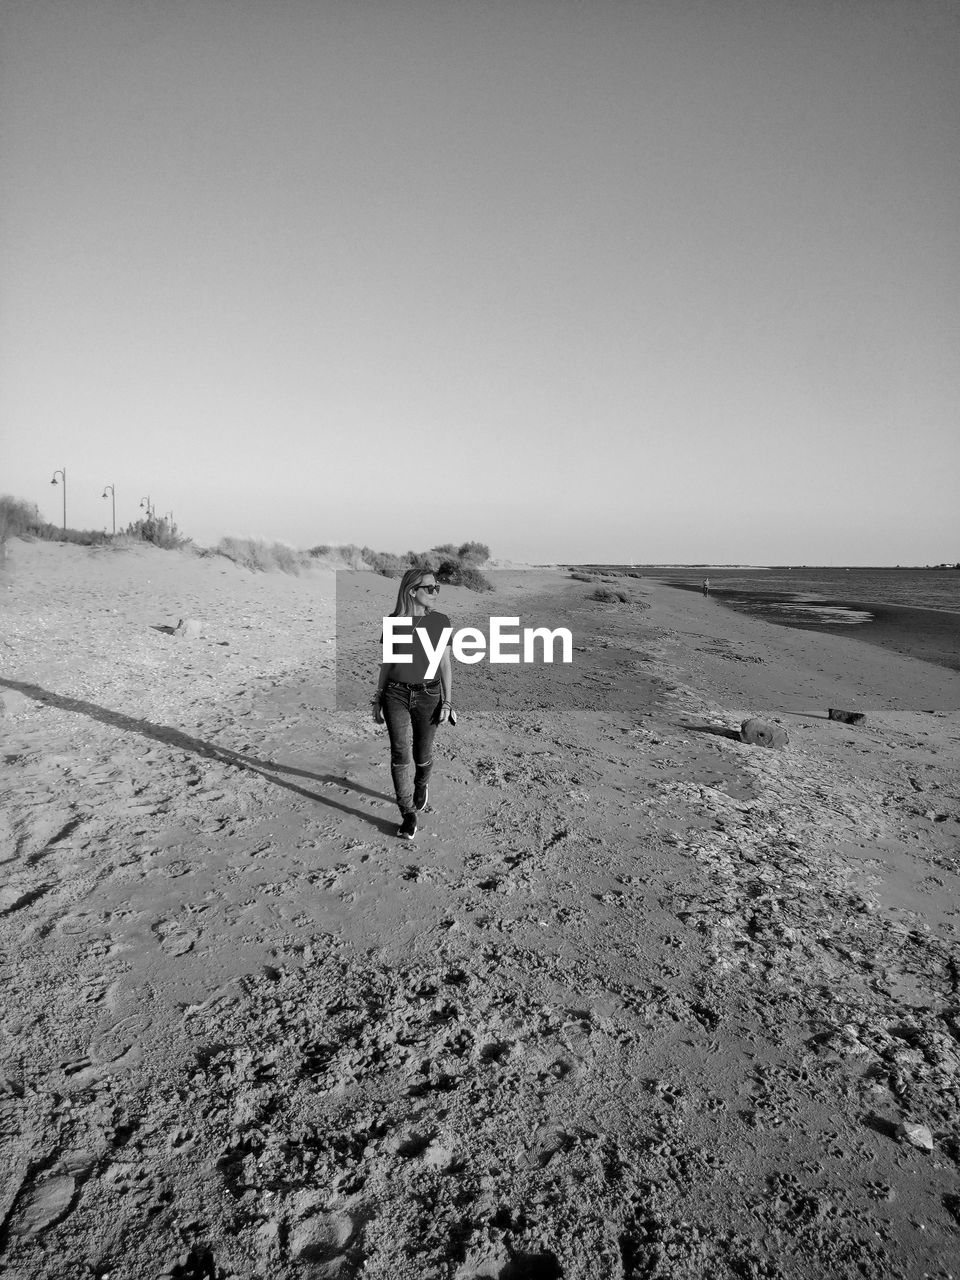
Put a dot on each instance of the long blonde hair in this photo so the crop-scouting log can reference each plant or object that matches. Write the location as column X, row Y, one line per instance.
column 410, row 580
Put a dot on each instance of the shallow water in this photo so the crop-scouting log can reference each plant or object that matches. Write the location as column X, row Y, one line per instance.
column 912, row 611
column 911, row 588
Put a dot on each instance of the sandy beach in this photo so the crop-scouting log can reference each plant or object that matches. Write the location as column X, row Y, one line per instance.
column 639, row 1001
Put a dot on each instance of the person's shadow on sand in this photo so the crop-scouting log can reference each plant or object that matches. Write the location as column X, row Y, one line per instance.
column 184, row 742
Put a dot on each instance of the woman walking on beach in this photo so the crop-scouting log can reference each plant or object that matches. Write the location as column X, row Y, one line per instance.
column 411, row 704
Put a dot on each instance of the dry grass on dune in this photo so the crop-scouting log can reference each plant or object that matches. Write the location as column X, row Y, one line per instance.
column 258, row 555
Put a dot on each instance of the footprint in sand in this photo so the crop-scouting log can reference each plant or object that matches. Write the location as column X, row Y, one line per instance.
column 321, row 1239
column 550, row 1141
column 44, row 1205
column 83, row 1073
column 178, row 867
column 181, row 1140
column 174, row 939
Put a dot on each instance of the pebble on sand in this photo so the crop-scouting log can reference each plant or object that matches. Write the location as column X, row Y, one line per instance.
column 917, row 1135
column 188, row 629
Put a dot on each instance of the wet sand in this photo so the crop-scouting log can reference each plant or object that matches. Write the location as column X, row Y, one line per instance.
column 640, row 1000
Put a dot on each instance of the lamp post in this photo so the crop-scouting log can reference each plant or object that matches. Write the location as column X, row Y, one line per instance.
column 146, row 501
column 169, row 516
column 62, row 471
column 109, row 488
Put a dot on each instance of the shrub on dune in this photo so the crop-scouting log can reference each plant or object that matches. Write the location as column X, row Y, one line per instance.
column 473, row 553
column 17, row 517
column 286, row 558
column 385, row 562
column 456, row 574
column 159, row 531
column 445, row 561
column 456, row 565
column 22, row 519
column 424, row 560
column 474, row 580
column 606, row 596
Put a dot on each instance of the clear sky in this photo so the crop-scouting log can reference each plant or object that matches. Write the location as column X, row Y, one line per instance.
column 645, row 280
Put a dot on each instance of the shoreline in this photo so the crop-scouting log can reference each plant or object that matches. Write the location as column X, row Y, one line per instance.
column 931, row 635
column 634, row 976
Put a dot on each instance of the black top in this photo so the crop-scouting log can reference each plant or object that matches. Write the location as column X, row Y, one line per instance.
column 415, row 672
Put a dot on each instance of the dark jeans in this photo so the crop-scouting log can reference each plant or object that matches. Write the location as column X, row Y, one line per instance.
column 411, row 722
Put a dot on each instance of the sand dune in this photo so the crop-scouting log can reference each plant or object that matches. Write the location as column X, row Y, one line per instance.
column 639, row 1001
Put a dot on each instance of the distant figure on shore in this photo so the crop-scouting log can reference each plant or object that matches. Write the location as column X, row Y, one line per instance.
column 411, row 705
column 706, row 586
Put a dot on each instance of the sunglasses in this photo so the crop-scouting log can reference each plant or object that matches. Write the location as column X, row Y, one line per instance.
column 434, row 590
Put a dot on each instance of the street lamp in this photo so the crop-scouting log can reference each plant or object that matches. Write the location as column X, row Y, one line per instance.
column 62, row 471
column 109, row 488
column 169, row 516
column 146, row 501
